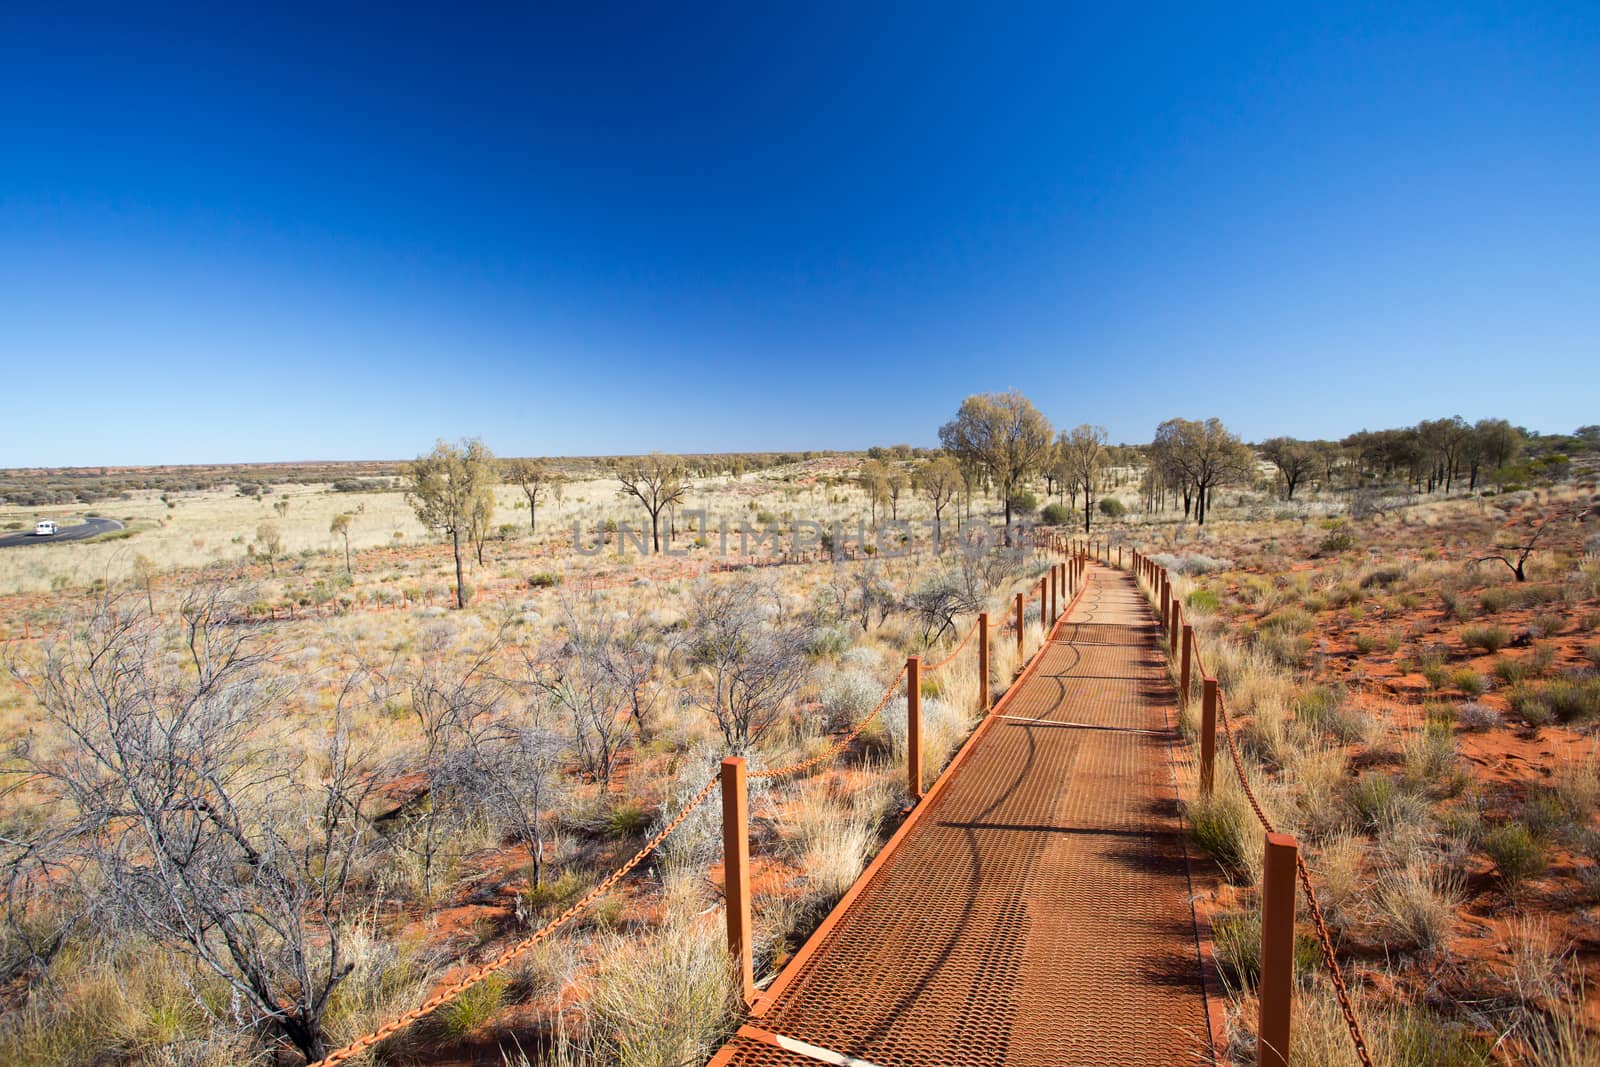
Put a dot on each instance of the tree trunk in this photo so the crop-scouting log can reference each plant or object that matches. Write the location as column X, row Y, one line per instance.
column 461, row 582
column 347, row 570
column 655, row 531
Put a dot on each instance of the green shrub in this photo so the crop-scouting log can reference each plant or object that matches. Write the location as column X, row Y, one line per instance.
column 1370, row 796
column 1493, row 601
column 1112, row 508
column 1568, row 699
column 544, row 580
column 1488, row 638
column 1516, row 852
column 627, row 819
column 1204, row 600
column 1337, row 539
column 1288, row 620
column 1056, row 515
column 1365, row 643
column 1222, row 825
column 1511, row 671
column 1469, row 681
column 475, row 1007
column 552, row 894
column 1024, row 503
column 1237, row 937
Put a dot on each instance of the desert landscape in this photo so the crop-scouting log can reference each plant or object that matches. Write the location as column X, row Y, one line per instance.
column 779, row 535
column 268, row 788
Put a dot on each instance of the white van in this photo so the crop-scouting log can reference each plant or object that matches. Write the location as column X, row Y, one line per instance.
column 44, row 528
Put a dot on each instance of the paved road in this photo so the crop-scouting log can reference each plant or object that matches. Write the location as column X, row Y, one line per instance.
column 90, row 528
column 1036, row 911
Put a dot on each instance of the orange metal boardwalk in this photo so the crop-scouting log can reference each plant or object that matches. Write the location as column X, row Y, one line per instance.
column 1034, row 910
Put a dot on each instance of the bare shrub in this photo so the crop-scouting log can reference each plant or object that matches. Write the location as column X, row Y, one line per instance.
column 187, row 825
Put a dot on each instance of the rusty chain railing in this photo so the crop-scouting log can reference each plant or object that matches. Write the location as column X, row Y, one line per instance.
column 954, row 652
column 1340, row 989
column 477, row 974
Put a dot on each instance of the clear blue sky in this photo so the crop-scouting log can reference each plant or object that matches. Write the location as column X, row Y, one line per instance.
column 304, row 235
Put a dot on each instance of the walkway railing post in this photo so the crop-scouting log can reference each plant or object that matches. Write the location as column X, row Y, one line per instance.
column 1054, row 581
column 983, row 662
column 1277, row 951
column 1208, row 735
column 1019, row 624
column 1173, row 630
column 1044, row 598
column 914, row 727
column 736, row 871
column 1186, row 664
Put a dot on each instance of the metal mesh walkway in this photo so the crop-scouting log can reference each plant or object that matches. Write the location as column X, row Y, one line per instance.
column 1035, row 910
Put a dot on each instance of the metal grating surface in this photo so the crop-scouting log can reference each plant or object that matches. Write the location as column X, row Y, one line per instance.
column 1038, row 912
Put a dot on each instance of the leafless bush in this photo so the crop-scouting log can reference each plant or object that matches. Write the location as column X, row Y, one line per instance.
column 751, row 661
column 181, row 822
column 599, row 674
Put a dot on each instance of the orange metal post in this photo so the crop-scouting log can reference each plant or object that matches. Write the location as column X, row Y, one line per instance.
column 736, row 871
column 1176, row 615
column 1054, row 581
column 1277, row 951
column 1019, row 623
column 1186, row 661
column 1044, row 603
column 983, row 661
column 914, row 727
column 1208, row 734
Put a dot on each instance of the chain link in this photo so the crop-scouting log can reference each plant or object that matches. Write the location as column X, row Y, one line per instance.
column 838, row 745
column 953, row 652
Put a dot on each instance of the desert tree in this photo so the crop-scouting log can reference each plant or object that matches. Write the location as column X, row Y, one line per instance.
column 480, row 523
column 1514, row 546
column 1444, row 443
column 1201, row 456
column 874, row 480
column 657, row 482
column 340, row 527
column 446, row 488
column 535, row 479
column 268, row 545
column 899, row 484
column 1004, row 435
column 1084, row 453
column 939, row 480
column 191, row 825
column 1292, row 458
column 748, row 661
column 1495, row 444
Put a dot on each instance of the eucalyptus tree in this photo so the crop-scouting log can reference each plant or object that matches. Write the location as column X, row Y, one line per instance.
column 449, row 489
column 1004, row 435
column 657, row 482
